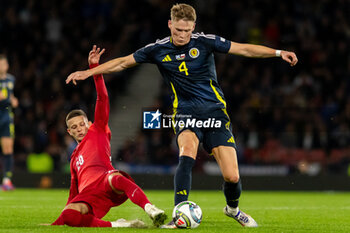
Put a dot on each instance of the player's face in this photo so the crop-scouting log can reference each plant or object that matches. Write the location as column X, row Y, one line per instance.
column 78, row 127
column 4, row 66
column 181, row 31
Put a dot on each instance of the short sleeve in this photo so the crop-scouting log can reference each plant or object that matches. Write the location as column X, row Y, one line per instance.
column 216, row 43
column 222, row 45
column 143, row 55
column 12, row 78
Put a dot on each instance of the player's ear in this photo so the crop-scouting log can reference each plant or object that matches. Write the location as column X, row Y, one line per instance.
column 68, row 131
column 89, row 124
column 194, row 26
column 169, row 24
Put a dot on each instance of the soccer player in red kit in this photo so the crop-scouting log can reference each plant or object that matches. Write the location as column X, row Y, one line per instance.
column 95, row 185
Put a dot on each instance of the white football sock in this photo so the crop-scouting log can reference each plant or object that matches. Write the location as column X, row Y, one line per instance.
column 147, row 207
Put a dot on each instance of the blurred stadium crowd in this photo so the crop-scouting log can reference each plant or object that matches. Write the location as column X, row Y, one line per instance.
column 280, row 115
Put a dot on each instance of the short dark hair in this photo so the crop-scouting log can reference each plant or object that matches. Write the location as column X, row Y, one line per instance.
column 3, row 56
column 75, row 113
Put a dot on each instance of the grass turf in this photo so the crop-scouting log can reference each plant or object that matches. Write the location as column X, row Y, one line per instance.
column 23, row 210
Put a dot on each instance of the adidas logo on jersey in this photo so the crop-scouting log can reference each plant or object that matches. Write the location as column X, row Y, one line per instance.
column 231, row 140
column 166, row 58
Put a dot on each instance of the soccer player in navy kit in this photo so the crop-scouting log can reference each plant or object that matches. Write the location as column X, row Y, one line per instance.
column 7, row 130
column 186, row 62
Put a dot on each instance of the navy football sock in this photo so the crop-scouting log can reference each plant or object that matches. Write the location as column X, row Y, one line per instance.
column 183, row 178
column 8, row 165
column 232, row 193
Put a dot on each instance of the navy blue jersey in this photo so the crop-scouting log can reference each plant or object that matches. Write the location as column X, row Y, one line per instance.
column 6, row 88
column 189, row 70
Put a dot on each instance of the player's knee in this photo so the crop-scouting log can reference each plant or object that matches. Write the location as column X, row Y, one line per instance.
column 189, row 149
column 114, row 175
column 231, row 178
column 188, row 143
column 80, row 207
column 115, row 181
column 7, row 148
column 7, row 151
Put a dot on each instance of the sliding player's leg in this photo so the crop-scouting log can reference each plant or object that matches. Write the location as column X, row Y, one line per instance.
column 121, row 184
column 78, row 215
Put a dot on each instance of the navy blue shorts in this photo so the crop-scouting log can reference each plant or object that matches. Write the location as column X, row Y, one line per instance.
column 213, row 129
column 7, row 128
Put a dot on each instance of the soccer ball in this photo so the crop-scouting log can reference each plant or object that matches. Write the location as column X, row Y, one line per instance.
column 187, row 214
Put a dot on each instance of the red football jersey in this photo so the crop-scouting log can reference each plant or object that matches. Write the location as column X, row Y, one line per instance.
column 91, row 158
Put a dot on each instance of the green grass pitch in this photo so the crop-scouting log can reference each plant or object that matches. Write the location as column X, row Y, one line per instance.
column 24, row 209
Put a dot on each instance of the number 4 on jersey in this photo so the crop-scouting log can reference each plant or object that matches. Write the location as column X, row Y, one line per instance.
column 183, row 68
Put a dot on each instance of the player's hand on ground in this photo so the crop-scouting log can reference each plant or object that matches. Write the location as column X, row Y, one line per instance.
column 44, row 224
column 289, row 57
column 95, row 54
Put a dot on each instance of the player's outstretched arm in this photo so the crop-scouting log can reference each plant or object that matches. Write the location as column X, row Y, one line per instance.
column 102, row 101
column 115, row 65
column 259, row 51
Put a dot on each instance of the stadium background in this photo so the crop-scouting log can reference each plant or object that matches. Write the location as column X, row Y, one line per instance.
column 295, row 120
